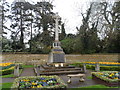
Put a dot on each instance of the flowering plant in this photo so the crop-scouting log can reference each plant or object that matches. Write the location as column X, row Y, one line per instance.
column 6, row 68
column 38, row 82
column 5, row 64
column 110, row 76
column 112, row 63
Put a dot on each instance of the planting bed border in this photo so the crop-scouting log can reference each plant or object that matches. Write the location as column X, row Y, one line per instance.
column 59, row 87
column 107, row 83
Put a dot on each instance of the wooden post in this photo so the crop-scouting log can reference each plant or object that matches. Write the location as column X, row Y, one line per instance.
column 97, row 67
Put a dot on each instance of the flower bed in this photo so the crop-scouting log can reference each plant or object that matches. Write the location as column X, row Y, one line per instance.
column 38, row 82
column 111, row 66
column 109, row 78
column 104, row 63
column 6, row 68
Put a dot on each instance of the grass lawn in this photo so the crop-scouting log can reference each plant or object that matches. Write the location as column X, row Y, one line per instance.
column 10, row 75
column 7, row 76
column 95, row 87
column 27, row 66
column 6, row 86
column 89, row 77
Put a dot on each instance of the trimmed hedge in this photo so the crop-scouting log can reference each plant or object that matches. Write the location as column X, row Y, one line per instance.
column 6, row 67
column 7, row 71
column 92, row 67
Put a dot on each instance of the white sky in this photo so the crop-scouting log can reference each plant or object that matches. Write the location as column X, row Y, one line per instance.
column 69, row 10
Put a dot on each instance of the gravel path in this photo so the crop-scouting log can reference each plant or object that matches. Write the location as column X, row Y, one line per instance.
column 75, row 81
column 26, row 72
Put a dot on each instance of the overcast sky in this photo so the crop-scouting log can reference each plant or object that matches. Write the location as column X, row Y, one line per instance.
column 69, row 10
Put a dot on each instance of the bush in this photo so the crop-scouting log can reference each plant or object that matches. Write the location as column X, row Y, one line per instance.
column 110, row 68
column 92, row 67
column 7, row 71
column 7, row 67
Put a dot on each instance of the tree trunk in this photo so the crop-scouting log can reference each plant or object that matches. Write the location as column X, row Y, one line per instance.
column 22, row 35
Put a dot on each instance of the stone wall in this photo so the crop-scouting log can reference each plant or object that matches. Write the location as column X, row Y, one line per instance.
column 42, row 58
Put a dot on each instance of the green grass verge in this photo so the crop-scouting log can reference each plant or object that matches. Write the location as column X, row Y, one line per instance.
column 95, row 87
column 27, row 66
column 89, row 77
column 7, row 76
column 6, row 86
column 10, row 75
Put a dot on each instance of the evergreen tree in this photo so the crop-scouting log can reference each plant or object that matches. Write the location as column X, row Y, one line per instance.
column 44, row 21
column 63, row 33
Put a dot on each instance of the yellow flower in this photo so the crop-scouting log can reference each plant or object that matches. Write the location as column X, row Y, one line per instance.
column 5, row 64
column 104, row 62
column 39, row 86
column 34, row 84
column 110, row 75
column 116, row 78
column 26, row 80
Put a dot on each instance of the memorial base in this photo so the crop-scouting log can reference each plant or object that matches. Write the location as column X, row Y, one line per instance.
column 56, row 57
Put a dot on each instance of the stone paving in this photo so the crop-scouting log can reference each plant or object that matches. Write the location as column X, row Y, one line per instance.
column 75, row 81
column 28, row 72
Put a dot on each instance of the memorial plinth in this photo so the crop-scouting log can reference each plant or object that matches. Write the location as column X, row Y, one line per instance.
column 56, row 57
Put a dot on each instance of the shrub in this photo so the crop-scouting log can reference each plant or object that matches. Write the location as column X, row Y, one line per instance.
column 110, row 68
column 92, row 67
column 7, row 71
column 6, row 67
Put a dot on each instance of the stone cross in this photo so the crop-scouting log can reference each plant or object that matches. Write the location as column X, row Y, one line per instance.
column 56, row 17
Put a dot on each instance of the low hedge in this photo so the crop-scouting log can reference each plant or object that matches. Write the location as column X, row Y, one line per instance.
column 6, row 67
column 92, row 67
column 7, row 71
column 110, row 68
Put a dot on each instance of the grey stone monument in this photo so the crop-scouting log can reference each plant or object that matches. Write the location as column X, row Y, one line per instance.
column 56, row 56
